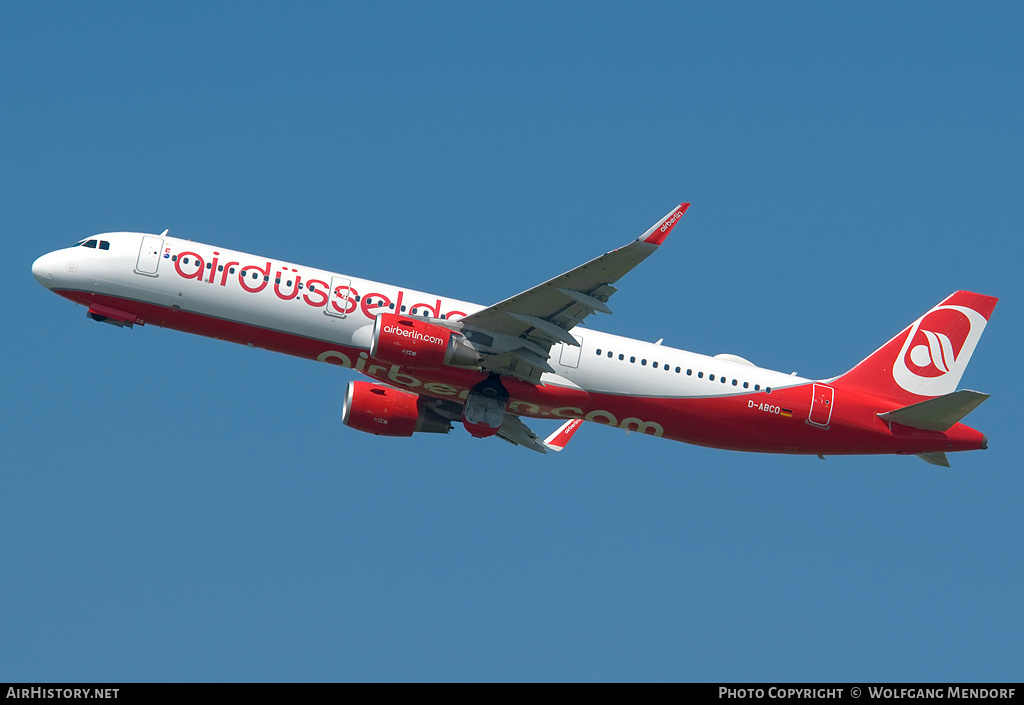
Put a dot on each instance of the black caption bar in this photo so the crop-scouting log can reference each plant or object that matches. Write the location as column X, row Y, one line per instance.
column 774, row 692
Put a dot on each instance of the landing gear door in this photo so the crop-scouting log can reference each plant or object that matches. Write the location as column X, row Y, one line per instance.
column 821, row 405
column 340, row 304
column 149, row 255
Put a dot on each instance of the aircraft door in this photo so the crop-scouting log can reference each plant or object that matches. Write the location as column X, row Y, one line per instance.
column 570, row 355
column 149, row 255
column 339, row 304
column 821, row 405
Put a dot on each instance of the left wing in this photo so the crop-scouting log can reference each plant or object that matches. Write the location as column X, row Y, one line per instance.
column 518, row 433
column 516, row 335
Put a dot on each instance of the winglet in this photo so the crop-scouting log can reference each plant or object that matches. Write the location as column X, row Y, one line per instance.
column 660, row 230
column 560, row 438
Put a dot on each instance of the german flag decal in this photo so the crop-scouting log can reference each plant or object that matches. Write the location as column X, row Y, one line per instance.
column 787, row 412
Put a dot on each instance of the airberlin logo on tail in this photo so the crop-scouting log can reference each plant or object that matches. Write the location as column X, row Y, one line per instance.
column 938, row 353
column 937, row 350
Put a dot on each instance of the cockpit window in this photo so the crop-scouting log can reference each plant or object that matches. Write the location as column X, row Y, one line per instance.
column 93, row 243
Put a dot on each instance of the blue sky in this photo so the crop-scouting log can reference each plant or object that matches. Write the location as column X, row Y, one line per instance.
column 176, row 508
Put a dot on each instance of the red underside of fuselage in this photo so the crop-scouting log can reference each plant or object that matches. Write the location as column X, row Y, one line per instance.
column 761, row 422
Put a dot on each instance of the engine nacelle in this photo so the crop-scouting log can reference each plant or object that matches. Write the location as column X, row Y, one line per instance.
column 411, row 342
column 384, row 411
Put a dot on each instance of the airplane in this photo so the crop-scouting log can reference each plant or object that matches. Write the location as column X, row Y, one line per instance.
column 434, row 360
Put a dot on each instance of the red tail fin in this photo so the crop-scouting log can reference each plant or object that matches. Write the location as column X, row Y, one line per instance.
column 928, row 358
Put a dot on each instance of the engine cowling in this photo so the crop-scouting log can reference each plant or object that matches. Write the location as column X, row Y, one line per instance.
column 383, row 411
column 410, row 342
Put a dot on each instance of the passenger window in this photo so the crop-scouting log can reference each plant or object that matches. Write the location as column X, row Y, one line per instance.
column 632, row 359
column 255, row 275
column 700, row 375
column 209, row 265
column 734, row 383
column 403, row 305
column 746, row 385
column 389, row 305
column 724, row 380
column 184, row 260
column 678, row 370
column 610, row 353
column 655, row 365
column 757, row 387
column 599, row 351
column 689, row 373
column 231, row 271
column 174, row 258
column 768, row 390
column 220, row 268
column 711, row 377
column 644, row 361
column 621, row 356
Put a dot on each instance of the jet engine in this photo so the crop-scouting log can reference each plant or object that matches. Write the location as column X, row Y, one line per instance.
column 411, row 342
column 384, row 411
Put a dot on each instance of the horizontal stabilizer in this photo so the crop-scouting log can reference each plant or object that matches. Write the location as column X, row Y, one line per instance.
column 939, row 459
column 938, row 414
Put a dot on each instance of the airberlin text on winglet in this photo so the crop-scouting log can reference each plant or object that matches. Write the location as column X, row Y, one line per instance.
column 659, row 232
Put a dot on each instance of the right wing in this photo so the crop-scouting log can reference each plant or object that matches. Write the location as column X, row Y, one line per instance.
column 516, row 335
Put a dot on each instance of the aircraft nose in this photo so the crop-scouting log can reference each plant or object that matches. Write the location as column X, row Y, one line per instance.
column 42, row 270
